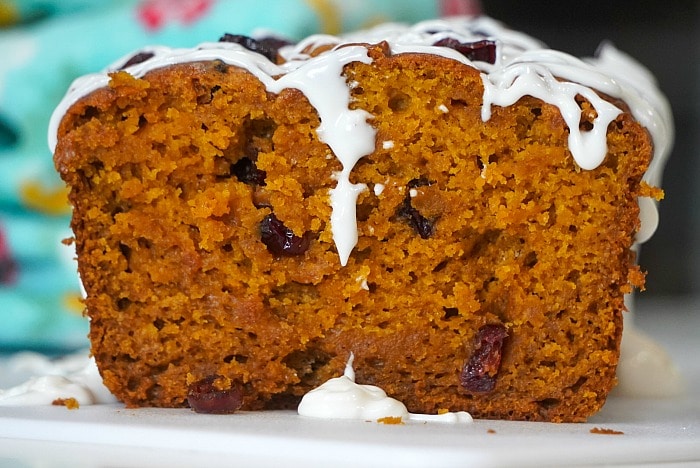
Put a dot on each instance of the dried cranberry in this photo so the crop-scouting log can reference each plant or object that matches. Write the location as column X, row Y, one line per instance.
column 247, row 172
column 275, row 43
column 136, row 59
column 204, row 397
column 479, row 51
column 280, row 240
column 479, row 373
column 267, row 46
column 422, row 225
column 419, row 182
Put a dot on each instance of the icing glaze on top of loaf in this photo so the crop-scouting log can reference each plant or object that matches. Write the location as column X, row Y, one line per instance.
column 522, row 66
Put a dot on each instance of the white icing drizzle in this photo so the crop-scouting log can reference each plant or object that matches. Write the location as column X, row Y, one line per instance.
column 505, row 87
column 639, row 89
column 342, row 398
column 74, row 376
column 523, row 67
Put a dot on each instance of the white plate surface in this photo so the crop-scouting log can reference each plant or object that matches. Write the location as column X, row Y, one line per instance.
column 655, row 432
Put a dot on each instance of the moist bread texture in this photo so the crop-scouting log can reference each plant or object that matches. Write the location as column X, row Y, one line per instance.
column 488, row 276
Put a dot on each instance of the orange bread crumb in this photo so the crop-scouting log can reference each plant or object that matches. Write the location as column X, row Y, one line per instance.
column 180, row 286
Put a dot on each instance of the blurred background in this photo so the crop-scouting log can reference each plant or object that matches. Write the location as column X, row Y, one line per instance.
column 45, row 44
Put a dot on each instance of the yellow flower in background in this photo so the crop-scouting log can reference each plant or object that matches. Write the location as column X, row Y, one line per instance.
column 51, row 201
column 331, row 12
column 73, row 301
column 328, row 14
column 8, row 13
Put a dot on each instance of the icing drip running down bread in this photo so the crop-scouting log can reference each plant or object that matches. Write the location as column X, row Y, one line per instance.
column 450, row 201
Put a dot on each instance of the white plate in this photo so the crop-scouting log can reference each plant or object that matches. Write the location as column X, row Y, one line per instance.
column 654, row 431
